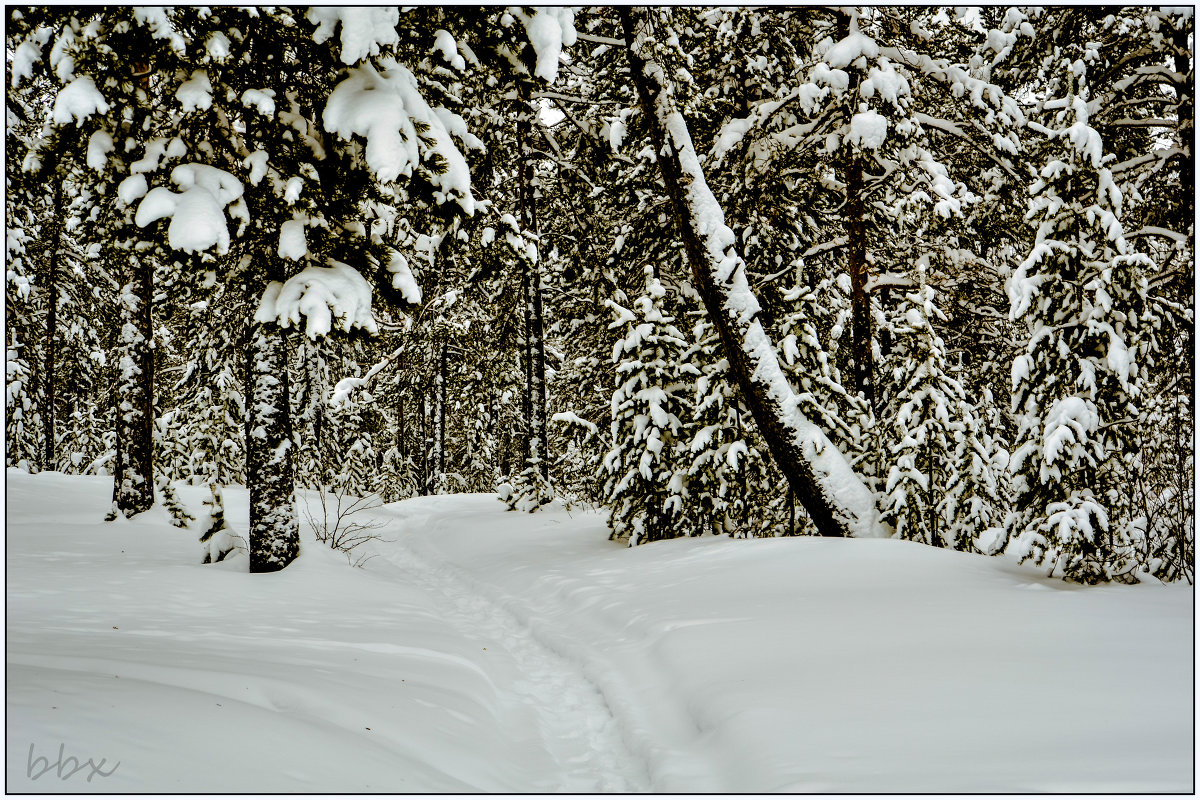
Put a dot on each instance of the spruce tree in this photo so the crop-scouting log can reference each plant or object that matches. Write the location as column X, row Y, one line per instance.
column 1081, row 294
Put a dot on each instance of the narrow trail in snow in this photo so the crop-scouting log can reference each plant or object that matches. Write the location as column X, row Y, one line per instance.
column 577, row 727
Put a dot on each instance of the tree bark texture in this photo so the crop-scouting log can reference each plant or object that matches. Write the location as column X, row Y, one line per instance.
column 439, row 420
column 834, row 496
column 51, row 352
column 270, row 474
column 133, row 481
column 854, row 218
column 536, row 448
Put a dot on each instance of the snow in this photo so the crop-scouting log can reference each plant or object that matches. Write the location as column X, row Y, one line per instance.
column 217, row 46
column 262, row 100
column 100, row 144
column 195, row 94
column 364, row 30
column 854, row 46
column 381, row 106
column 868, row 130
column 77, row 101
column 484, row 651
column 159, row 23
column 132, row 188
column 549, row 30
column 1084, row 137
column 257, row 162
column 444, row 43
column 27, row 54
column 292, row 242
column 402, row 278
column 1069, row 421
column 197, row 215
column 323, row 296
column 887, row 83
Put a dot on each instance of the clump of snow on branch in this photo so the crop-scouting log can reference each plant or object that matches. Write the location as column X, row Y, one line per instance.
column 197, row 214
column 364, row 30
column 156, row 19
column 444, row 43
column 77, row 101
column 100, row 144
column 549, row 31
column 854, row 46
column 868, row 130
column 402, row 278
column 195, row 94
column 27, row 54
column 293, row 244
column 385, row 107
column 323, row 297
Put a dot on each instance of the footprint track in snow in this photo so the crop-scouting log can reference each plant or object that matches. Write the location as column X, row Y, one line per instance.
column 577, row 727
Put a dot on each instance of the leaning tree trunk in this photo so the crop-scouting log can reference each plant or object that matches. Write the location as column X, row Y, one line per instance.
column 270, row 474
column 824, row 483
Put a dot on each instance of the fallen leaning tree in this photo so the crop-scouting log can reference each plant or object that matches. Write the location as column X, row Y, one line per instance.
column 836, row 498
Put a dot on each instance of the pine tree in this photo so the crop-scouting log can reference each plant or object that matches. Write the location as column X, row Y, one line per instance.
column 1081, row 294
column 646, row 486
column 943, row 487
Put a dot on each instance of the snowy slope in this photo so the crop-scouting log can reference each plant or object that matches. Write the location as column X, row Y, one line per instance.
column 493, row 651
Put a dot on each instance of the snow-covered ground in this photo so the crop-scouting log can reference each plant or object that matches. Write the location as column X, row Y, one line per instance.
column 491, row 651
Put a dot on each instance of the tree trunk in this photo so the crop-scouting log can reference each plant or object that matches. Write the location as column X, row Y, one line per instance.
column 133, row 481
column 51, row 354
column 270, row 475
column 536, row 448
column 424, row 443
column 439, row 420
column 274, row 536
column 834, row 496
column 856, row 234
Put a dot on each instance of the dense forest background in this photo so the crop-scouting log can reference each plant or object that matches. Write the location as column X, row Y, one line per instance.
column 463, row 250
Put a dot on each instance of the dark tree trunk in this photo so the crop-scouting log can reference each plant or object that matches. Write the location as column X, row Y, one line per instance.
column 836, row 499
column 49, row 461
column 424, row 444
column 1185, row 92
column 133, row 479
column 854, row 220
column 526, row 367
column 270, row 475
column 536, row 446
column 860, row 299
column 439, row 421
column 133, row 482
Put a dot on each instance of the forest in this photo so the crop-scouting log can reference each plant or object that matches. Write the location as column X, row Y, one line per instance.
column 911, row 272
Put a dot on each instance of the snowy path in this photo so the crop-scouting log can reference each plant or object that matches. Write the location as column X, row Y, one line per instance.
column 577, row 726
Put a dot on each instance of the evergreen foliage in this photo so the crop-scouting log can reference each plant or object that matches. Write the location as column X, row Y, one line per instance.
column 380, row 251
